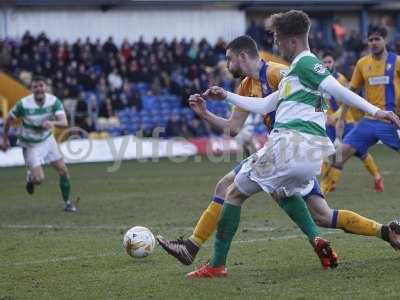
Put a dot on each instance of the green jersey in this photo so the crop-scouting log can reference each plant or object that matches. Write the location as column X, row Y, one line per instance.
column 33, row 116
column 301, row 106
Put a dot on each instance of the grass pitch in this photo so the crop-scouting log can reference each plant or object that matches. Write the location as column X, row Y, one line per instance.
column 48, row 254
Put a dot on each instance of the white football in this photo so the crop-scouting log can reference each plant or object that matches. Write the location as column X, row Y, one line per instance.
column 139, row 242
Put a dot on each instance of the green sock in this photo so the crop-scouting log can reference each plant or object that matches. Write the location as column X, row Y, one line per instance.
column 227, row 226
column 65, row 187
column 296, row 209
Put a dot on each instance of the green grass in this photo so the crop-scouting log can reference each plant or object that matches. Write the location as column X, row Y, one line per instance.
column 48, row 254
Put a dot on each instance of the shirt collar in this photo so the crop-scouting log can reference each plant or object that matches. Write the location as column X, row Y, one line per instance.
column 300, row 55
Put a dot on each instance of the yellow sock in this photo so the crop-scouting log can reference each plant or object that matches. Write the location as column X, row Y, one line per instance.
column 324, row 169
column 207, row 223
column 371, row 166
column 353, row 223
column 330, row 180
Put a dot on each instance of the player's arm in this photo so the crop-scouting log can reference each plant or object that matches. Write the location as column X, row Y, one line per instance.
column 331, row 86
column 60, row 117
column 357, row 81
column 15, row 113
column 60, row 121
column 345, row 107
column 233, row 124
column 6, row 129
column 252, row 104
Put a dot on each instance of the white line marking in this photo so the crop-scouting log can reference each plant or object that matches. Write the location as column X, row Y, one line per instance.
column 113, row 227
column 61, row 227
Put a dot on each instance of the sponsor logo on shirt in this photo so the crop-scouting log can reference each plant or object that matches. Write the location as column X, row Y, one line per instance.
column 378, row 80
column 319, row 69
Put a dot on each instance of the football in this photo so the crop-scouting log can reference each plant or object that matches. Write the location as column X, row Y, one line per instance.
column 139, row 242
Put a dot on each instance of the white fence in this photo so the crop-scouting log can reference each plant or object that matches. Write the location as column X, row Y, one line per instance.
column 113, row 149
column 72, row 23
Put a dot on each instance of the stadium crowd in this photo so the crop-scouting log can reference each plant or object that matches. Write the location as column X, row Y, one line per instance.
column 143, row 85
column 137, row 86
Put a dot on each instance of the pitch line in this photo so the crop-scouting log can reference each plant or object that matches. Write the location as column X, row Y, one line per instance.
column 112, row 227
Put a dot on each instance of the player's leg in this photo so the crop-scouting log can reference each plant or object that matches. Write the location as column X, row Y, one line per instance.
column 237, row 193
column 34, row 170
column 64, row 184
column 186, row 250
column 242, row 188
column 372, row 168
column 226, row 230
column 351, row 222
column 209, row 219
column 37, row 175
column 369, row 162
column 359, row 140
column 388, row 134
column 331, row 133
column 53, row 156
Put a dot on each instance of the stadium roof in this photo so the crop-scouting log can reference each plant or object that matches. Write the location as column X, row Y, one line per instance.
column 186, row 2
column 318, row 5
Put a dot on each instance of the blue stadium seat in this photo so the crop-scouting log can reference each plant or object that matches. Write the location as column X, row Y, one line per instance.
column 142, row 88
column 115, row 131
column 149, row 102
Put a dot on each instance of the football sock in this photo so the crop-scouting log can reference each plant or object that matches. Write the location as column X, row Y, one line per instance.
column 296, row 208
column 354, row 223
column 28, row 175
column 330, row 180
column 207, row 222
column 371, row 166
column 227, row 226
column 65, row 187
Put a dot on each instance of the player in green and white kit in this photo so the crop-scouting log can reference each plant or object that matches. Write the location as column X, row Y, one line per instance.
column 40, row 113
column 297, row 145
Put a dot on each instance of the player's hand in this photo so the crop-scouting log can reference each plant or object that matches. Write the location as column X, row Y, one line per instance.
column 339, row 129
column 47, row 124
column 331, row 120
column 5, row 145
column 388, row 116
column 198, row 105
column 337, row 143
column 215, row 93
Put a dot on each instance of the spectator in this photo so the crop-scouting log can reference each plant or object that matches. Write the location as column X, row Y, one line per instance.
column 339, row 31
column 175, row 126
column 354, row 43
column 114, row 80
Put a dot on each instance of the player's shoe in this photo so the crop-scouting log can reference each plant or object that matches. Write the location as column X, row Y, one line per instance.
column 183, row 250
column 30, row 187
column 207, row 271
column 326, row 254
column 379, row 185
column 70, row 207
column 391, row 234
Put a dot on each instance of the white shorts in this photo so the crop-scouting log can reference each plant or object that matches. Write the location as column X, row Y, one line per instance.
column 42, row 153
column 285, row 166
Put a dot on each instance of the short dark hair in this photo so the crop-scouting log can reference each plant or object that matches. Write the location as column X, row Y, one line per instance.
column 379, row 29
column 329, row 53
column 36, row 78
column 290, row 23
column 244, row 43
